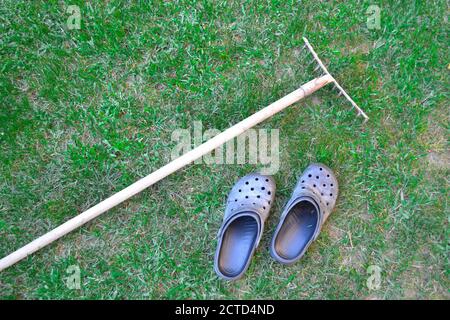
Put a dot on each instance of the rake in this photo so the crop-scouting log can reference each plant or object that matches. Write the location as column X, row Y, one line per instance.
column 187, row 158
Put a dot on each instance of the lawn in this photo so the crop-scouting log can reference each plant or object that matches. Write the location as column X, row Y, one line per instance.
column 85, row 112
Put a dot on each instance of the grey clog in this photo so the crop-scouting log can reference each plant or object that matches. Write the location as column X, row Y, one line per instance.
column 312, row 201
column 247, row 209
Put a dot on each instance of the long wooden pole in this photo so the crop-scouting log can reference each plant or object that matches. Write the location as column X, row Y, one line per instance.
column 166, row 170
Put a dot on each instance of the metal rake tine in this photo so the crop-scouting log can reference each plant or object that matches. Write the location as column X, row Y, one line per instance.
column 302, row 51
column 325, row 70
column 311, row 62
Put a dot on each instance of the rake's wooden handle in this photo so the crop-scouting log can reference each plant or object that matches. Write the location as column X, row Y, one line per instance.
column 166, row 170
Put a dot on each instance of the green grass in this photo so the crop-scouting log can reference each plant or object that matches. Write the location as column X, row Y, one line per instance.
column 86, row 112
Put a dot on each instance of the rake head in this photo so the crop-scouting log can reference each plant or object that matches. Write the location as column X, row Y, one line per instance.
column 324, row 71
